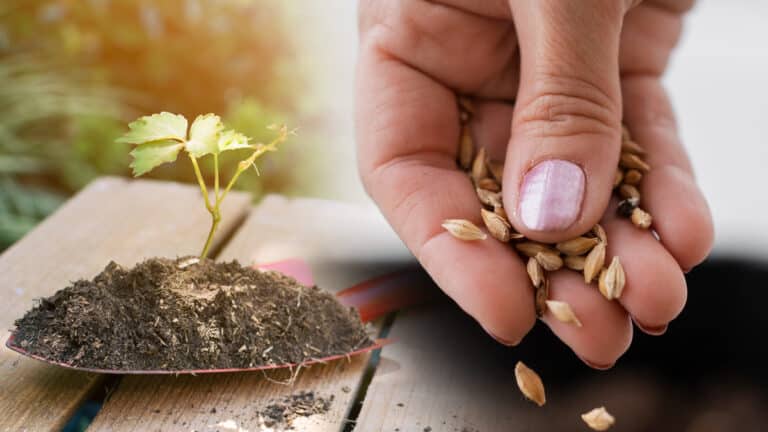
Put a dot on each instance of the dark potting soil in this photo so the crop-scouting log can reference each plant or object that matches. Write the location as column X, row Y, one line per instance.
column 171, row 315
column 280, row 414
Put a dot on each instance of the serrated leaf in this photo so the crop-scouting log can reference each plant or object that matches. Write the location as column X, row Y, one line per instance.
column 156, row 127
column 147, row 156
column 231, row 140
column 204, row 135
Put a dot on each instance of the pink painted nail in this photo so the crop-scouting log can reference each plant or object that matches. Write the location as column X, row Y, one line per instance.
column 551, row 194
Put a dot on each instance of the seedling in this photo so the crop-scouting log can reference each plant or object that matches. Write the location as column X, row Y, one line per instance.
column 160, row 137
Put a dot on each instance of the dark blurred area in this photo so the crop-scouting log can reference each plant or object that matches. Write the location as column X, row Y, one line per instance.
column 73, row 72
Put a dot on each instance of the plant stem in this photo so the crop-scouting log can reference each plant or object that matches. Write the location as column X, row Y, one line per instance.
column 212, row 209
column 216, row 177
column 209, row 240
column 201, row 183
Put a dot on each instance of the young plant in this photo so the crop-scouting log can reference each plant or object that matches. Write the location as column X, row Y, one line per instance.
column 160, row 137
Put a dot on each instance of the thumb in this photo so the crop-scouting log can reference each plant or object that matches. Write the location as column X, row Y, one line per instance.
column 566, row 128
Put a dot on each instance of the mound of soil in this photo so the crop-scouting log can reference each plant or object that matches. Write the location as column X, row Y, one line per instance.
column 172, row 315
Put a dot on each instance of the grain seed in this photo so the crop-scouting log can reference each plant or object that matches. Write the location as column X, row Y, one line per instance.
column 466, row 148
column 625, row 135
column 489, row 184
column 641, row 218
column 594, row 262
column 628, row 191
column 531, row 248
column 497, row 226
column 463, row 229
column 535, row 272
column 530, row 384
column 618, row 178
column 633, row 161
column 574, row 262
column 540, row 296
column 598, row 419
column 563, row 312
column 549, row 260
column 630, row 146
column 600, row 233
column 497, row 170
column 577, row 246
column 489, row 198
column 612, row 280
column 627, row 206
column 633, row 177
column 479, row 168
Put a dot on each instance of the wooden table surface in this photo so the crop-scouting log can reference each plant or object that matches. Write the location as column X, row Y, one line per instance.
column 442, row 373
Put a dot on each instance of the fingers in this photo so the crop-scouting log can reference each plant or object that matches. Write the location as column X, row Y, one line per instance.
column 457, row 47
column 564, row 147
column 408, row 133
column 680, row 212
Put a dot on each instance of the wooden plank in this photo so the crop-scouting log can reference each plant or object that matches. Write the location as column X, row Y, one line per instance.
column 330, row 236
column 112, row 219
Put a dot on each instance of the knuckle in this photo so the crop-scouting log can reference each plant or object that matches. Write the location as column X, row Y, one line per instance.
column 563, row 107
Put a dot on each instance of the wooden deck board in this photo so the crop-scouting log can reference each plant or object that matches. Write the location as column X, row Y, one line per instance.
column 277, row 229
column 112, row 219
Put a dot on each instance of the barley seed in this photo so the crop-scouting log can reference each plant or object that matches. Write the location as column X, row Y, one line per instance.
column 563, row 312
column 598, row 419
column 530, row 384
column 463, row 229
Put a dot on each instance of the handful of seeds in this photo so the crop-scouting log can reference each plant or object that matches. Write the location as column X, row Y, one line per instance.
column 585, row 253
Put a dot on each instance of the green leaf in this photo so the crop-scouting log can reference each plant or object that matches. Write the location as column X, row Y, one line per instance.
column 231, row 140
column 157, row 127
column 204, row 135
column 149, row 155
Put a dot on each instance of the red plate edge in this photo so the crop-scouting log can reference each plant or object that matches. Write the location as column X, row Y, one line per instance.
column 377, row 344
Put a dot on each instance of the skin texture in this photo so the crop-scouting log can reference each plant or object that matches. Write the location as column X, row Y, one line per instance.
column 574, row 70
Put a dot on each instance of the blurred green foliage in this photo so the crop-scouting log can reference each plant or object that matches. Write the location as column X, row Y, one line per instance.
column 73, row 72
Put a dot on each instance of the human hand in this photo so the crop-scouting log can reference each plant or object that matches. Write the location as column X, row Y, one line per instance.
column 574, row 70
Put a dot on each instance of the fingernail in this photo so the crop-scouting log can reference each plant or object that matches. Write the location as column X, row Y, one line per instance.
column 500, row 340
column 653, row 331
column 551, row 195
column 596, row 366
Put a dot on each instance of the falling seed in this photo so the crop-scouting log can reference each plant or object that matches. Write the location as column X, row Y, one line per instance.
column 549, row 261
column 627, row 206
column 633, row 161
column 479, row 168
column 463, row 229
column 530, row 384
column 641, row 218
column 628, row 191
column 594, row 262
column 489, row 198
column 489, row 184
column 497, row 170
column 541, row 295
column 600, row 233
column 577, row 246
column 612, row 280
column 531, row 248
column 466, row 148
column 618, row 178
column 574, row 262
column 563, row 312
column 497, row 226
column 633, row 177
column 535, row 272
column 598, row 419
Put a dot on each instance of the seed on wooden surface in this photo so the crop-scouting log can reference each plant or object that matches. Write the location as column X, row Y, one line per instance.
column 463, row 229
column 497, row 170
column 618, row 178
column 535, row 272
column 574, row 262
column 549, row 260
column 630, row 146
column 479, row 168
column 633, row 177
column 627, row 206
column 600, row 233
column 497, row 226
column 466, row 148
column 489, row 198
column 540, row 297
column 633, row 161
column 641, row 218
column 594, row 262
column 629, row 191
column 531, row 248
column 489, row 184
column 577, row 245
column 563, row 312
column 530, row 384
column 612, row 280
column 598, row 419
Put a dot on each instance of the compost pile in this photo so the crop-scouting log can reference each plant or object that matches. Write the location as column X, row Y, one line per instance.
column 181, row 314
